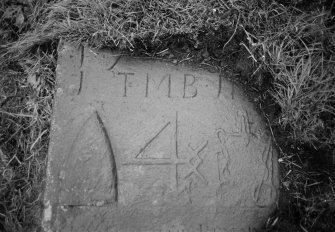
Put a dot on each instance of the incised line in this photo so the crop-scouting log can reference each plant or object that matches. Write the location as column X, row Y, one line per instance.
column 176, row 134
column 113, row 65
column 194, row 169
column 147, row 86
column 80, row 82
column 220, row 84
column 187, row 187
column 112, row 156
column 169, row 94
column 174, row 159
column 188, row 190
column 266, row 158
column 257, row 192
column 154, row 162
column 97, row 204
column 225, row 169
column 247, row 126
column 150, row 141
column 67, row 158
column 82, row 52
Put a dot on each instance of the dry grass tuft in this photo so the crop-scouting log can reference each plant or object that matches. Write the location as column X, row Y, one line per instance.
column 297, row 48
column 122, row 23
column 27, row 92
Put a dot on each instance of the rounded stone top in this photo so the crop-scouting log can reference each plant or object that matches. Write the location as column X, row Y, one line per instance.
column 145, row 145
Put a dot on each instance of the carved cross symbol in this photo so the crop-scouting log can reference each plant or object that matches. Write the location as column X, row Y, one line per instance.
column 174, row 160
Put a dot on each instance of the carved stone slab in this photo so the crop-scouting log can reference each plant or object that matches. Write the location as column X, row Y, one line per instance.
column 145, row 145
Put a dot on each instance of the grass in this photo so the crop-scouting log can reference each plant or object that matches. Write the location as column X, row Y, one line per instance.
column 299, row 54
column 282, row 51
column 24, row 129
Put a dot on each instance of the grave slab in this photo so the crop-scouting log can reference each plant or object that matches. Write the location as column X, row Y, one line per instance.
column 146, row 145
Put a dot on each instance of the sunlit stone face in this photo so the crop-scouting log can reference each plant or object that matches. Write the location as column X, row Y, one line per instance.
column 144, row 145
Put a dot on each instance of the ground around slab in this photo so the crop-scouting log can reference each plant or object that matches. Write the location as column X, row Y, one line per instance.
column 282, row 52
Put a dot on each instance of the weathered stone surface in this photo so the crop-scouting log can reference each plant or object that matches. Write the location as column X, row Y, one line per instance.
column 144, row 145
